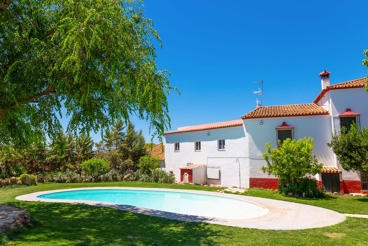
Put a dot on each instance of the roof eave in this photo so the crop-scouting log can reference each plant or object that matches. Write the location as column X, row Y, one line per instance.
column 203, row 129
column 282, row 116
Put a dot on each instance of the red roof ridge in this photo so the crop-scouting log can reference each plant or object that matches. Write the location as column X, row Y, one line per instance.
column 355, row 83
column 209, row 126
column 307, row 109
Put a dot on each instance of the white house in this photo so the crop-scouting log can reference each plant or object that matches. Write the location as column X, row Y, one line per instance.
column 232, row 151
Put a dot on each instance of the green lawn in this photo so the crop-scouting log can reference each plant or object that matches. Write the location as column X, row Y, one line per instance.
column 66, row 224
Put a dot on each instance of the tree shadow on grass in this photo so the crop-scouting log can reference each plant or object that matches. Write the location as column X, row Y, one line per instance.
column 364, row 199
column 67, row 224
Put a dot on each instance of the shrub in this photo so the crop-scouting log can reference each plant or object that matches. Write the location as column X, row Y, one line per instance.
column 292, row 162
column 304, row 187
column 28, row 179
column 147, row 164
column 351, row 148
column 157, row 176
column 14, row 170
column 95, row 167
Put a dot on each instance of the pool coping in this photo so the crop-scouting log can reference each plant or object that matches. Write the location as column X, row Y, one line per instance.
column 281, row 216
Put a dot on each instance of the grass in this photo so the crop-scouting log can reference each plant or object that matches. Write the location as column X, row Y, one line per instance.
column 66, row 224
column 342, row 204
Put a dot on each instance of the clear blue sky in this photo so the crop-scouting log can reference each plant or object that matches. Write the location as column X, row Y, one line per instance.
column 215, row 50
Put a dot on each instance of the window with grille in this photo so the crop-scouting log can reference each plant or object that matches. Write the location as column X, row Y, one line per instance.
column 345, row 122
column 284, row 134
column 177, row 147
column 197, row 145
column 364, row 180
column 221, row 144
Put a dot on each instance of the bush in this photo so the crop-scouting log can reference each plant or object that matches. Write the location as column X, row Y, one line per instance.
column 95, row 167
column 157, row 176
column 147, row 164
column 304, row 187
column 292, row 163
column 28, row 179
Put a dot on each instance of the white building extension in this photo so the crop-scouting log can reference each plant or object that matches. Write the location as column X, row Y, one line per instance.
column 232, row 150
column 220, row 146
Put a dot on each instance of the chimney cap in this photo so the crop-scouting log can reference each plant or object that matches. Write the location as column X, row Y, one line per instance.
column 324, row 73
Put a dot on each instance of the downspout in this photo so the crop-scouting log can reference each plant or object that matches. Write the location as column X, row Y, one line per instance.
column 237, row 160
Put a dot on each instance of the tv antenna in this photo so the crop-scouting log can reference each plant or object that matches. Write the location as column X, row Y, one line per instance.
column 259, row 92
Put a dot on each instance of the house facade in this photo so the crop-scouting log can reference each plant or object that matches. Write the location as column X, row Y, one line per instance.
column 232, row 151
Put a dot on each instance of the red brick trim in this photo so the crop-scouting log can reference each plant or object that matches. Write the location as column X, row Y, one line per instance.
column 351, row 186
column 265, row 183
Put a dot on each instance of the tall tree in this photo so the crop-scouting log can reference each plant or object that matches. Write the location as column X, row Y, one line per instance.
column 114, row 137
column 94, row 57
column 134, row 146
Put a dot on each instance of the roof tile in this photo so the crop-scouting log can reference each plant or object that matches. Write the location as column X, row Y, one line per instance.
column 210, row 126
column 329, row 169
column 356, row 83
column 286, row 111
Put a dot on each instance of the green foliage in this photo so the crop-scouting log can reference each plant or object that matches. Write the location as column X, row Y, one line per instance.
column 95, row 167
column 155, row 175
column 291, row 163
column 95, row 58
column 351, row 148
column 134, row 146
column 31, row 177
column 122, row 148
column 147, row 164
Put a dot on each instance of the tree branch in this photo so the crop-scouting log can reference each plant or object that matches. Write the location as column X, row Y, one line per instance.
column 48, row 91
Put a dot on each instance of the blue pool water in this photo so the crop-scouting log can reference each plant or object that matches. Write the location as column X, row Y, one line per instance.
column 169, row 201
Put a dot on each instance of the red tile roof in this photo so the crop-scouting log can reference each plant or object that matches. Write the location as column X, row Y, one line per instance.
column 210, row 126
column 324, row 73
column 356, row 83
column 349, row 113
column 286, row 111
column 329, row 169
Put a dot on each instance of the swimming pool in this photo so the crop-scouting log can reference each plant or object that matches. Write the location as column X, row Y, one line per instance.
column 179, row 202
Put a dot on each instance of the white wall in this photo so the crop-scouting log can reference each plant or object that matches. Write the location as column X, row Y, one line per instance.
column 317, row 127
column 228, row 159
column 357, row 100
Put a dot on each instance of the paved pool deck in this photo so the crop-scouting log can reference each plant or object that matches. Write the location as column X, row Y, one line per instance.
column 281, row 215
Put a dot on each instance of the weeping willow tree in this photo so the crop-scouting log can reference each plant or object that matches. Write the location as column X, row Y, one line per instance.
column 93, row 58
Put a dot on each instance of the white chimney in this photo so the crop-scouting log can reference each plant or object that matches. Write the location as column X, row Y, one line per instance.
column 325, row 79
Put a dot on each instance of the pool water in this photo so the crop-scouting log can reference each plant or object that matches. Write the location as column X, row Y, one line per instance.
column 169, row 201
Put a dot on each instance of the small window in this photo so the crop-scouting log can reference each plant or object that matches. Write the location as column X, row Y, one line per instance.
column 364, row 180
column 177, row 147
column 221, row 144
column 197, row 145
column 345, row 122
column 284, row 134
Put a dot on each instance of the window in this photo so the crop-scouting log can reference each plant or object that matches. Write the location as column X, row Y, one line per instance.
column 197, row 145
column 177, row 147
column 284, row 134
column 345, row 122
column 347, row 118
column 221, row 144
column 364, row 180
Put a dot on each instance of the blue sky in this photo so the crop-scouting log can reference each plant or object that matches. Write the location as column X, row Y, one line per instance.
column 215, row 50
